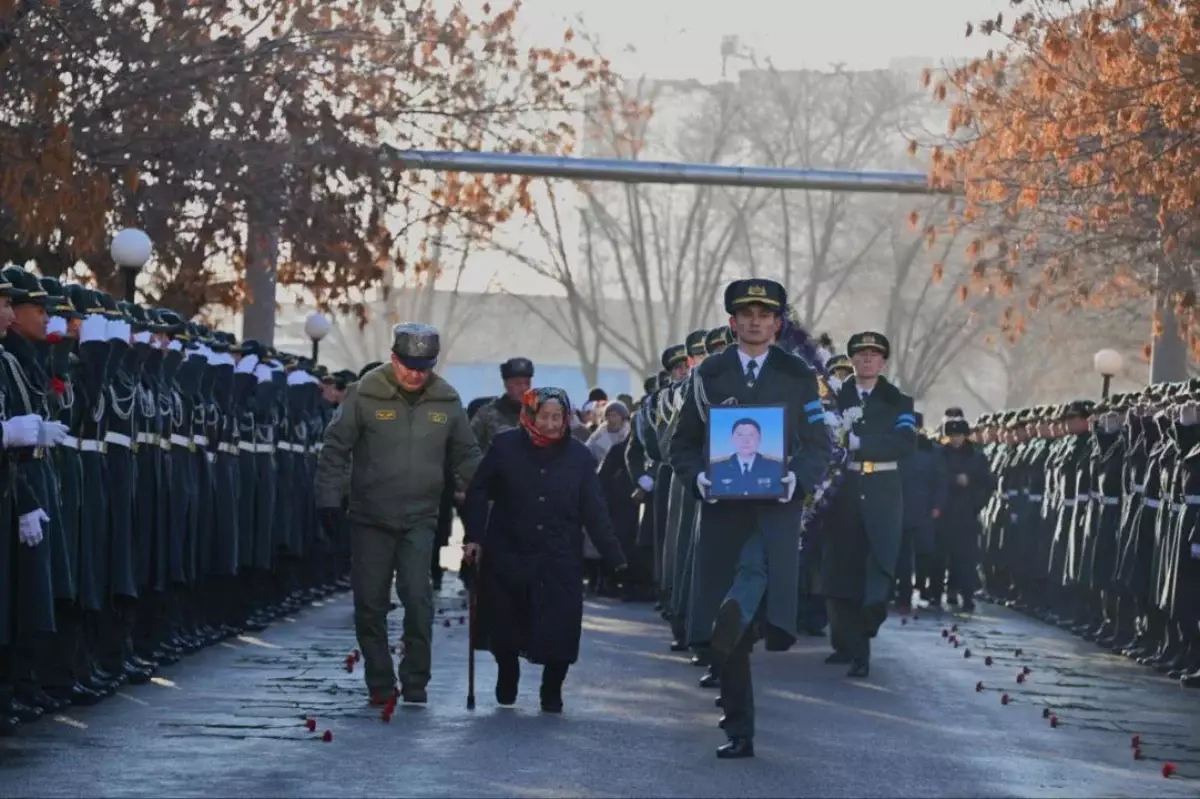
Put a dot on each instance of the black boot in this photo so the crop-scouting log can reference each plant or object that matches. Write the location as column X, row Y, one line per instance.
column 553, row 675
column 508, row 678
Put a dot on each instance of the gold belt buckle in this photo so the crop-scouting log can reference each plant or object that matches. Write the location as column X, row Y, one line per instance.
column 868, row 467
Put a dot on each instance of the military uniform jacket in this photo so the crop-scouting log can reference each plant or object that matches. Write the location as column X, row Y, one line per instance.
column 887, row 434
column 725, row 527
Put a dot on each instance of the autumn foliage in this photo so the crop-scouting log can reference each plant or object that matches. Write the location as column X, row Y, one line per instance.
column 1076, row 143
column 229, row 127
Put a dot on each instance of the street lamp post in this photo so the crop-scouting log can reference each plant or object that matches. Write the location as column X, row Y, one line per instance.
column 316, row 327
column 1107, row 363
column 130, row 250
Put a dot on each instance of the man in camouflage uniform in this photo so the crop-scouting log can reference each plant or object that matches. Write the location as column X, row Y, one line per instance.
column 504, row 412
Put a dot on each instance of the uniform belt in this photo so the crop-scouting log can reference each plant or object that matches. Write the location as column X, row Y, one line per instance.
column 164, row 442
column 250, row 446
column 1069, row 502
column 70, row 442
column 148, row 438
column 1108, row 500
column 1191, row 499
column 182, row 441
column 120, row 439
column 200, row 441
column 1139, row 489
column 1176, row 507
column 1151, row 503
column 288, row 446
column 91, row 445
column 1035, row 497
column 870, row 467
column 227, row 448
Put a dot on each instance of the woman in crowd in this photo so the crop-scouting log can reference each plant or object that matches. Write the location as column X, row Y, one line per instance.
column 542, row 488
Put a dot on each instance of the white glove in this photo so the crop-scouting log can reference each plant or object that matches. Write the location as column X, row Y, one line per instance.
column 142, row 338
column 247, row 364
column 31, row 527
column 93, row 328
column 51, row 434
column 789, row 480
column 262, row 372
column 854, row 442
column 832, row 419
column 174, row 345
column 823, row 356
column 22, row 431
column 835, row 385
column 703, row 483
column 646, row 483
column 56, row 324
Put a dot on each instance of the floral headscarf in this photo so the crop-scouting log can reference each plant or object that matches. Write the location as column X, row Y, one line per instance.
column 532, row 402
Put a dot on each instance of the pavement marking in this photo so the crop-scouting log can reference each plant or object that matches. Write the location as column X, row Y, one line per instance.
column 250, row 639
column 133, row 699
column 228, row 645
column 163, row 682
column 70, row 722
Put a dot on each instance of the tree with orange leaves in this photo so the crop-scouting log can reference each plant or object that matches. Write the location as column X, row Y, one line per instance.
column 1080, row 136
column 202, row 122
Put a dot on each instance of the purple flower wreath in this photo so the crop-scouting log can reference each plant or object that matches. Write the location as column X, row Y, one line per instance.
column 794, row 339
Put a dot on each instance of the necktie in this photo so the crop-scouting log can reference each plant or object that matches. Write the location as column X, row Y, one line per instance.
column 745, row 468
column 751, row 369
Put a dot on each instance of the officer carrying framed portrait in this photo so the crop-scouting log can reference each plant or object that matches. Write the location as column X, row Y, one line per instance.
column 747, row 451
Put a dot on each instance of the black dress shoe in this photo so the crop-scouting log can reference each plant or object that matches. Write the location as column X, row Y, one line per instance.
column 710, row 680
column 141, row 662
column 719, row 703
column 552, row 701
column 82, row 696
column 1190, row 680
column 36, row 697
column 9, row 725
column 776, row 640
column 859, row 668
column 255, row 624
column 700, row 659
column 678, row 646
column 737, row 748
column 137, row 676
column 24, row 713
column 727, row 629
column 838, row 658
column 721, row 722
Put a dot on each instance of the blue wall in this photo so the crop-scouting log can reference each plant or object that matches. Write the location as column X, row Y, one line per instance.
column 483, row 380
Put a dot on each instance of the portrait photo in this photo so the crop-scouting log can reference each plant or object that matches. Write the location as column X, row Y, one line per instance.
column 747, row 451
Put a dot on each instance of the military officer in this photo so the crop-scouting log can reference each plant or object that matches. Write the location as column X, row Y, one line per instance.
column 859, row 563
column 747, row 551
column 717, row 340
column 747, row 471
column 504, row 412
column 400, row 407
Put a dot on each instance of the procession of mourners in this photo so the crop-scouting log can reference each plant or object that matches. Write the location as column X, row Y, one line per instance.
column 167, row 487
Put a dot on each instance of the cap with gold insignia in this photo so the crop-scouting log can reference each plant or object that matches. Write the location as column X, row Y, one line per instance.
column 695, row 343
column 838, row 363
column 673, row 356
column 718, row 339
column 869, row 340
column 766, row 293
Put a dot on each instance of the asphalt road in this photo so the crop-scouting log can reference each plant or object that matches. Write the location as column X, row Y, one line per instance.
column 228, row 721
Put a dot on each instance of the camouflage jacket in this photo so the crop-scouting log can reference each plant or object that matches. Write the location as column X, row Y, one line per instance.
column 493, row 419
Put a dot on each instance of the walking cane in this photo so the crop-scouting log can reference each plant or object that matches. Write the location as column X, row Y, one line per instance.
column 471, row 635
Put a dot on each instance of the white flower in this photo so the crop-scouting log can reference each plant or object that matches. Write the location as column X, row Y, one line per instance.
column 832, row 420
column 850, row 416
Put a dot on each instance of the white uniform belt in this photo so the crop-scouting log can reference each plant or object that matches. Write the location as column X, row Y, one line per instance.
column 1069, row 502
column 120, row 439
column 1192, row 499
column 1151, row 503
column 1139, row 489
column 1108, row 500
column 227, row 448
column 1035, row 497
column 147, row 438
column 288, row 446
column 250, row 446
column 201, row 441
column 91, row 445
column 70, row 441
column 870, row 467
column 180, row 441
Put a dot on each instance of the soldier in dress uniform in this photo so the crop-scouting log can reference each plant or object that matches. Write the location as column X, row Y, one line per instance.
column 674, row 361
column 717, row 340
column 747, row 552
column 642, row 462
column 504, row 412
column 859, row 562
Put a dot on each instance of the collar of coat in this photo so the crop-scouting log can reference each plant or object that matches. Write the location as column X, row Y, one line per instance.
column 380, row 383
column 728, row 361
column 883, row 390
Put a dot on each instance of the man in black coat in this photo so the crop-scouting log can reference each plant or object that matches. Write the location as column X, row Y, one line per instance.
column 969, row 485
column 859, row 557
column 746, row 556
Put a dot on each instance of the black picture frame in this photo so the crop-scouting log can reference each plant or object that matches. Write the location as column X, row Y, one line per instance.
column 768, row 467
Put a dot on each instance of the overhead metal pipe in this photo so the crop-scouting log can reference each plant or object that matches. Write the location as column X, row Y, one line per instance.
column 620, row 171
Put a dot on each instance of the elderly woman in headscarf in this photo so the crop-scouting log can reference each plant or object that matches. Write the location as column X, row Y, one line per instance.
column 542, row 488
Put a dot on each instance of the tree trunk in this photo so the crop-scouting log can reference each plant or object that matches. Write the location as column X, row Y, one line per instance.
column 262, row 250
column 1168, row 354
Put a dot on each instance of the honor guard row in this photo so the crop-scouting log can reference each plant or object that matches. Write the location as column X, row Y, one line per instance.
column 152, row 467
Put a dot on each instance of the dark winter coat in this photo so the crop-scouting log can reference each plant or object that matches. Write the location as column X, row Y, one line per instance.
column 924, row 479
column 530, row 598
column 618, row 494
column 958, row 528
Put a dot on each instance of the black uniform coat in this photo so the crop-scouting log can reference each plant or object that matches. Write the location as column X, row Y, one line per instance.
column 725, row 527
column 861, row 568
column 531, row 571
column 958, row 529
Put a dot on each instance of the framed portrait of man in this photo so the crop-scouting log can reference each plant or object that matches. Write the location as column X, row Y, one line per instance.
column 747, row 451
